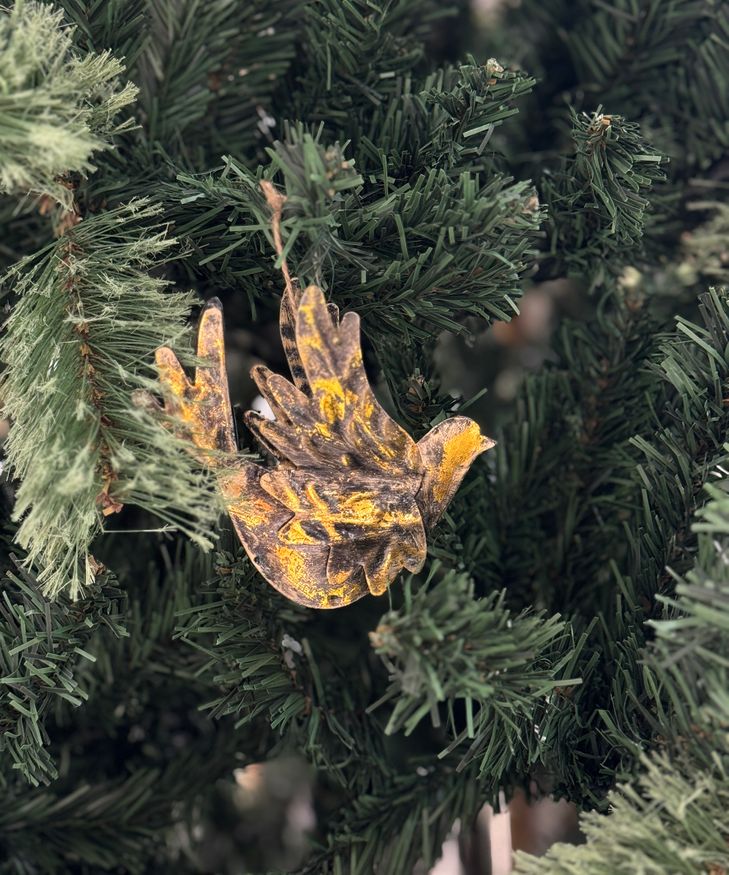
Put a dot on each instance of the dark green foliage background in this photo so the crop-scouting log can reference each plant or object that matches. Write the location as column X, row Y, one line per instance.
column 569, row 634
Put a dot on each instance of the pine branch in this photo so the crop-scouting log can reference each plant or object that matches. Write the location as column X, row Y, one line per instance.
column 670, row 58
column 78, row 345
column 691, row 651
column 87, row 826
column 672, row 819
column 464, row 105
column 415, row 385
column 594, row 489
column 413, row 258
column 282, row 676
column 399, row 825
column 448, row 653
column 145, row 689
column 207, row 73
column 42, row 647
column 662, row 63
column 58, row 107
column 119, row 26
column 596, row 202
column 247, row 636
column 402, row 204
column 138, row 743
column 354, row 57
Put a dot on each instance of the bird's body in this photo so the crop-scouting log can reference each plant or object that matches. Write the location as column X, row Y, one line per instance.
column 346, row 505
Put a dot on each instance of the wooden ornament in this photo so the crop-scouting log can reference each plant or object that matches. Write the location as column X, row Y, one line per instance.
column 349, row 497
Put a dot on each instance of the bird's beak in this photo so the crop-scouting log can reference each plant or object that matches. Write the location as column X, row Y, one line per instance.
column 486, row 444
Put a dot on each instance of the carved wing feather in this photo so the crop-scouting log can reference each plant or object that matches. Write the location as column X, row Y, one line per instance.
column 338, row 509
column 202, row 404
column 338, row 421
column 372, row 530
column 347, row 472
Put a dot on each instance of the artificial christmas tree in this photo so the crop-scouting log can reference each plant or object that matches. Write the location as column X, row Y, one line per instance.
column 162, row 708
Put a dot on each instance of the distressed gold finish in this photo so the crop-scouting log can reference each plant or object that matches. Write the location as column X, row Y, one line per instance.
column 346, row 504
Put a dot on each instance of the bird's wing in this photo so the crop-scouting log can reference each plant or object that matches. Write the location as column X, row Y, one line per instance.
column 333, row 420
column 298, row 571
column 201, row 405
column 372, row 524
column 347, row 472
column 340, row 509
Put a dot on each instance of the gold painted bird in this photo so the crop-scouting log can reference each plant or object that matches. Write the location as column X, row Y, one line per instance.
column 350, row 495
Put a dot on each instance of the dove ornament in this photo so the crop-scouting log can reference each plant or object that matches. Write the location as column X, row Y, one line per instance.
column 348, row 497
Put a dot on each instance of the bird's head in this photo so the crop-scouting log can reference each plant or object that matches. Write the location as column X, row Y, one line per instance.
column 447, row 451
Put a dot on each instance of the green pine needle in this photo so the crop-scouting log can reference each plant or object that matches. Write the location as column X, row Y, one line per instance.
column 79, row 346
column 57, row 107
column 446, row 650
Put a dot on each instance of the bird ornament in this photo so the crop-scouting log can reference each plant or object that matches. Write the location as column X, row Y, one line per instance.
column 347, row 498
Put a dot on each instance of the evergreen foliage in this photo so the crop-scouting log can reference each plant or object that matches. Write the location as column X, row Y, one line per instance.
column 445, row 646
column 596, row 201
column 569, row 633
column 673, row 819
column 58, row 108
column 77, row 347
column 42, row 645
column 660, row 63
